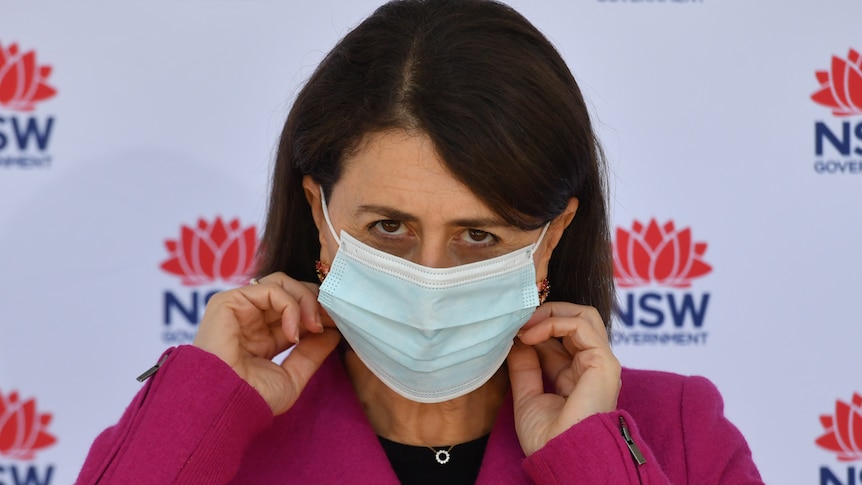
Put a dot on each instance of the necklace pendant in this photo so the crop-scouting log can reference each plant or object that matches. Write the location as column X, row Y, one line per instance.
column 442, row 456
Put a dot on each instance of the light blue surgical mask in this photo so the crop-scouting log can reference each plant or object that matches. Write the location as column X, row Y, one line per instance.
column 430, row 334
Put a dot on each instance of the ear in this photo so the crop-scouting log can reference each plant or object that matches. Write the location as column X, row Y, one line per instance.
column 312, row 195
column 553, row 236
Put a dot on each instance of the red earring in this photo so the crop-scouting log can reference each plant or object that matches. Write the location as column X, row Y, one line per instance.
column 322, row 269
column 544, row 287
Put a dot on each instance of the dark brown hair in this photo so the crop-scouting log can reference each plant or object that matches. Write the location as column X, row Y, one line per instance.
column 501, row 107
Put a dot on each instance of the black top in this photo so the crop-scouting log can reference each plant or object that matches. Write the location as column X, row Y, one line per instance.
column 417, row 465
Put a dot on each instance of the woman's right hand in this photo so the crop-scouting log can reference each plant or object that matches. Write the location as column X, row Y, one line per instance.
column 246, row 327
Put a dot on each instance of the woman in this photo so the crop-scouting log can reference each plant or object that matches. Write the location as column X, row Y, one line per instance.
column 437, row 174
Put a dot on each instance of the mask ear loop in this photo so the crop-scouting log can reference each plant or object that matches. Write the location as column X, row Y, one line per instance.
column 539, row 241
column 328, row 221
column 543, row 287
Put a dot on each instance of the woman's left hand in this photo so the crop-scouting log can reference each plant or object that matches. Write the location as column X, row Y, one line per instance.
column 585, row 372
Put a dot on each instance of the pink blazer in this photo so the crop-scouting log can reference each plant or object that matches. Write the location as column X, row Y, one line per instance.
column 196, row 422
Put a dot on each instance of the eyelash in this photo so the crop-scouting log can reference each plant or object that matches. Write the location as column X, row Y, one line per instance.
column 376, row 227
column 376, row 224
column 484, row 242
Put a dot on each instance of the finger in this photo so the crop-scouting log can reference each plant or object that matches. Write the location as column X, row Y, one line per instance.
column 563, row 309
column 577, row 331
column 583, row 349
column 598, row 384
column 525, row 372
column 556, row 364
column 547, row 310
column 560, row 309
column 244, row 315
column 266, row 307
column 266, row 315
column 294, row 302
column 553, row 357
column 306, row 296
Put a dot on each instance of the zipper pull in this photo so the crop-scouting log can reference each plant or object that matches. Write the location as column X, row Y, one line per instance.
column 633, row 448
column 152, row 370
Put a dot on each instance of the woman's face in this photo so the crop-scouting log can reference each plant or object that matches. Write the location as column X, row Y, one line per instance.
column 395, row 195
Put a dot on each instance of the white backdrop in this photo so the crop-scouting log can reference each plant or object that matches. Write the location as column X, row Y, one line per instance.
column 167, row 113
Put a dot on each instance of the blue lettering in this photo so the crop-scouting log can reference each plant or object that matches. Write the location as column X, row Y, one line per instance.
column 828, row 478
column 27, row 476
column 32, row 131
column 660, row 338
column 838, row 166
column 821, row 131
column 842, row 143
column 3, row 142
column 32, row 477
column 191, row 312
column 26, row 161
column 627, row 317
column 177, row 337
column 643, row 303
column 688, row 307
column 652, row 310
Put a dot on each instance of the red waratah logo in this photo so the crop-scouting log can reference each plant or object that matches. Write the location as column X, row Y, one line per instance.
column 844, row 430
column 22, row 428
column 841, row 86
column 212, row 251
column 658, row 254
column 23, row 82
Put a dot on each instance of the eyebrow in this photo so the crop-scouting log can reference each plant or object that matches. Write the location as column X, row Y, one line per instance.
column 397, row 215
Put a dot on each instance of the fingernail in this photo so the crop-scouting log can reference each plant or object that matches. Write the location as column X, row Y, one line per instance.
column 296, row 336
column 319, row 323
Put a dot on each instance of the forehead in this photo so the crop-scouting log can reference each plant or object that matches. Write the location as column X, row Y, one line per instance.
column 404, row 171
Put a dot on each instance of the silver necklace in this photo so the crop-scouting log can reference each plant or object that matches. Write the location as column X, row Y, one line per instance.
column 442, row 456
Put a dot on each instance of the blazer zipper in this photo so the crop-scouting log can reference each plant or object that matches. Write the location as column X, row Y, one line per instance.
column 633, row 448
column 152, row 370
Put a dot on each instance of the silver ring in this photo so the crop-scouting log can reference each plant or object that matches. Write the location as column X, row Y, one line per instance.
column 253, row 281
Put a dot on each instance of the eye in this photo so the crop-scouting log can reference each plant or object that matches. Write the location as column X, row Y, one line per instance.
column 390, row 228
column 478, row 237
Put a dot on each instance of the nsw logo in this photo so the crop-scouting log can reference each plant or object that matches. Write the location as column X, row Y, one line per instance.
column 654, row 267
column 842, row 436
column 206, row 257
column 23, row 433
column 24, row 135
column 838, row 142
